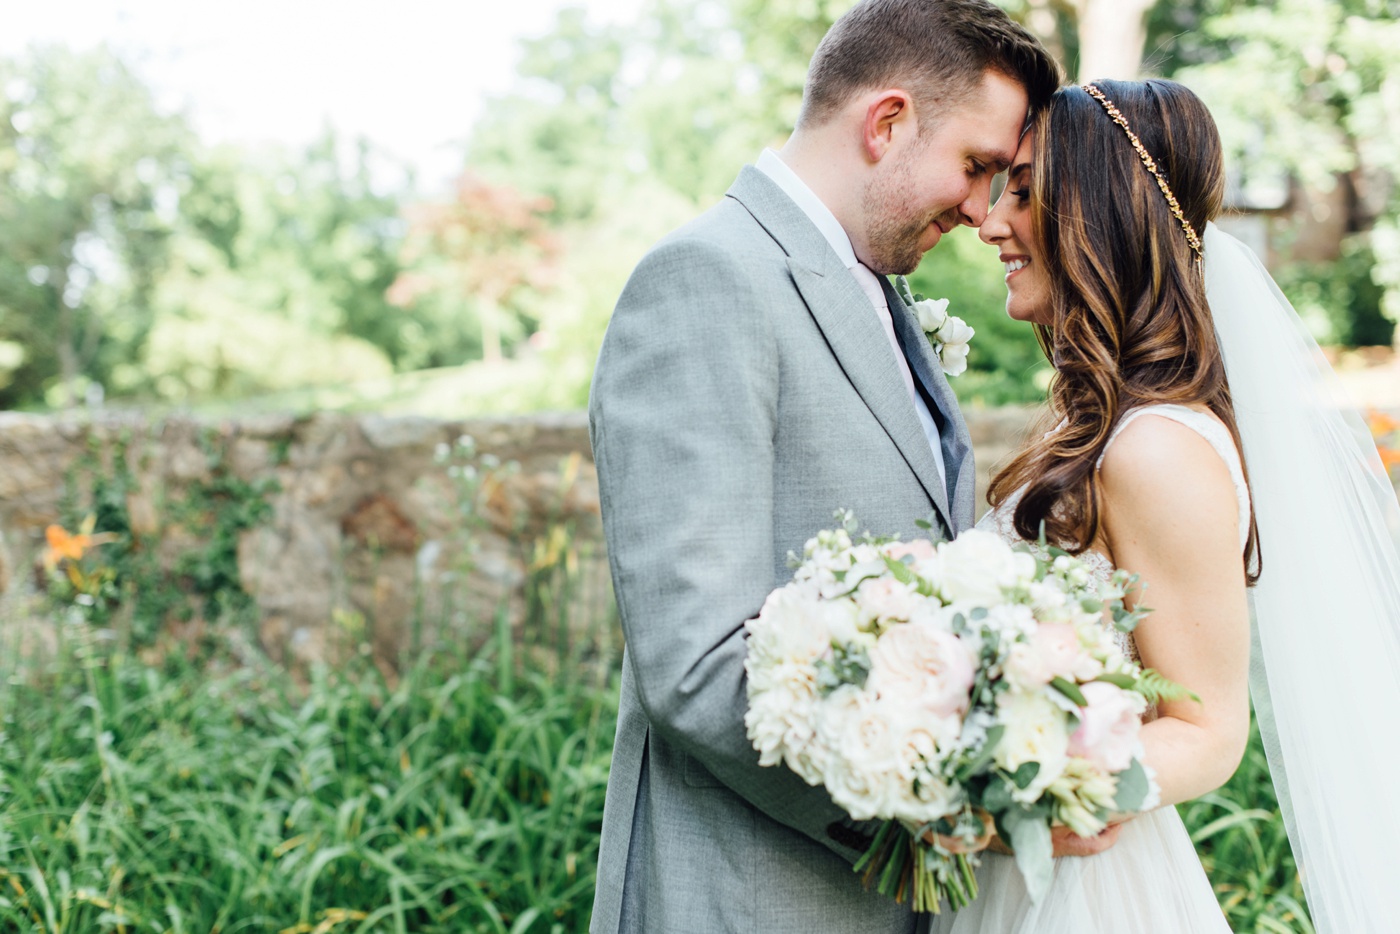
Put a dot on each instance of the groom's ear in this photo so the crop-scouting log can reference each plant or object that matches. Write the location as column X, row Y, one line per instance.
column 889, row 115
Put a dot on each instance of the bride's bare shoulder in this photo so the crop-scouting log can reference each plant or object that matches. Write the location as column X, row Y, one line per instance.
column 1159, row 473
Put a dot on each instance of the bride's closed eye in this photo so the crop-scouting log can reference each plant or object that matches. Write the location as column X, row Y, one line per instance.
column 1022, row 194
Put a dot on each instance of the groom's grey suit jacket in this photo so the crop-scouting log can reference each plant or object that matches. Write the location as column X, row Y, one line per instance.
column 745, row 390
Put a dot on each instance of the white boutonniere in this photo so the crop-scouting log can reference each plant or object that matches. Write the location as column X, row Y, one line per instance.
column 948, row 334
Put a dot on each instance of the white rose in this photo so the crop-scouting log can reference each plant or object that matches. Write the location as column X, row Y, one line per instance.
column 1047, row 599
column 841, row 619
column 864, row 771
column 923, row 740
column 932, row 665
column 929, row 798
column 781, row 723
column 954, row 335
column 974, row 565
column 932, row 313
column 790, row 628
column 953, row 359
column 1023, row 568
column 884, row 600
column 1036, row 731
column 1010, row 620
column 1024, row 668
column 955, row 331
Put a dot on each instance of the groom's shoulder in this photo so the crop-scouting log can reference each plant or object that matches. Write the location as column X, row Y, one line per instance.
column 725, row 232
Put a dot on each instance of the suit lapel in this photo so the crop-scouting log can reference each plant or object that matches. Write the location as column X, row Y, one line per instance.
column 850, row 326
column 956, row 441
column 843, row 312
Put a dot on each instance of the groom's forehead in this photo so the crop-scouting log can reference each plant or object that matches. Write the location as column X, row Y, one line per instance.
column 987, row 137
column 992, row 153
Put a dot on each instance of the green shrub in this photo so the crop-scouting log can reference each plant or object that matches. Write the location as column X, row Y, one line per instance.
column 1005, row 364
column 1341, row 301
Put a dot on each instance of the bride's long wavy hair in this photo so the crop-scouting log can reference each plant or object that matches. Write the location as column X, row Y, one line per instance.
column 1130, row 323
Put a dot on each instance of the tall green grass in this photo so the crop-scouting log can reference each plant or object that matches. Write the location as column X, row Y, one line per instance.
column 136, row 798
column 1239, row 834
column 465, row 797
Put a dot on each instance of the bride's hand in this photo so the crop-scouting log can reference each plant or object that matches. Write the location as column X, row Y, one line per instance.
column 1067, row 843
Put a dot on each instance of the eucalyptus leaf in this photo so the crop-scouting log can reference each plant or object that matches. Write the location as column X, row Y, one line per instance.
column 1133, row 786
column 997, row 798
column 1026, row 774
column 1030, row 838
column 1126, row 682
column 899, row 569
column 1071, row 690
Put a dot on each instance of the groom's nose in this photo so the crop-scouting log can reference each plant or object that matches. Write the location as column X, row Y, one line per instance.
column 973, row 210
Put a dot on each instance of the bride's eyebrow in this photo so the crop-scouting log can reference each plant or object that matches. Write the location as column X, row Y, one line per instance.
column 1017, row 170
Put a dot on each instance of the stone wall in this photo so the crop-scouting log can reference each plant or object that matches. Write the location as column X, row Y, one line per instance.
column 378, row 538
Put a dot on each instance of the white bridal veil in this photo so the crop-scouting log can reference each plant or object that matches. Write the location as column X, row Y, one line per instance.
column 1325, row 666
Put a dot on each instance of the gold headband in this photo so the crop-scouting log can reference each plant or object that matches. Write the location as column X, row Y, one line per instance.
column 1116, row 115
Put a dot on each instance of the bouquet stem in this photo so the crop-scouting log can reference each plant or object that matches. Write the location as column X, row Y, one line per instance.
column 902, row 866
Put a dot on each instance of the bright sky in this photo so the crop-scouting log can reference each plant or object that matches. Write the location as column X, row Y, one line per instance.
column 411, row 75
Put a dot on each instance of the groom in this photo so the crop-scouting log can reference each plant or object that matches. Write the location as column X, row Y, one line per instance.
column 758, row 373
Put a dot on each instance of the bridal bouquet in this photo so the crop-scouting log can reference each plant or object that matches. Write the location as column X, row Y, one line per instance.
column 940, row 689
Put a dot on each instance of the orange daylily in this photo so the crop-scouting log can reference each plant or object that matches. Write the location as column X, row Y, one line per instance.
column 1390, row 457
column 1381, row 423
column 65, row 545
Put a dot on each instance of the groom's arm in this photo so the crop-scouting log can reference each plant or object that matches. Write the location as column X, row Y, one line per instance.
column 683, row 415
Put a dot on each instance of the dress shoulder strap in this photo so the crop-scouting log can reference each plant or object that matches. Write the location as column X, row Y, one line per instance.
column 1215, row 433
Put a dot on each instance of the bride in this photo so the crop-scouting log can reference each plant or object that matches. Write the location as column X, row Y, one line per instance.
column 1200, row 445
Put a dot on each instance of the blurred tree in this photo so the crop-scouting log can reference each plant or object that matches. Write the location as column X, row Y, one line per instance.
column 90, row 171
column 605, row 117
column 1308, row 92
column 278, row 274
column 561, row 133
column 487, row 249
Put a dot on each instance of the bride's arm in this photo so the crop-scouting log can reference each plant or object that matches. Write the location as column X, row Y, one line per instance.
column 1170, row 515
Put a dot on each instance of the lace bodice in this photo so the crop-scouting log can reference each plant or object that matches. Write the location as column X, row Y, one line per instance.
column 1000, row 520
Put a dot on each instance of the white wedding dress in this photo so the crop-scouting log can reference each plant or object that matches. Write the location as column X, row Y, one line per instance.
column 1151, row 881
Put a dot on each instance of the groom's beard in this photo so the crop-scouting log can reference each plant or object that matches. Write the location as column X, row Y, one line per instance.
column 894, row 241
column 893, row 234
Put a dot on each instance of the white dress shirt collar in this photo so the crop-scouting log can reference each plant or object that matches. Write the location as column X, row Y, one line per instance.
column 772, row 165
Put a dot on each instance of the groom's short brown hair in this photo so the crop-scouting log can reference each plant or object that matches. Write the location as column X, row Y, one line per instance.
column 937, row 50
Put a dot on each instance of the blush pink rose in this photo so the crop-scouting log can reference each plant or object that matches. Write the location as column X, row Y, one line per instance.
column 1057, row 645
column 1052, row 651
column 1109, row 726
column 886, row 599
column 925, row 662
column 921, row 549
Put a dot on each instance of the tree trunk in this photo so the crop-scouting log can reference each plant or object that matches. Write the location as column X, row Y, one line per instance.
column 490, row 311
column 67, row 352
column 1112, row 37
column 1043, row 19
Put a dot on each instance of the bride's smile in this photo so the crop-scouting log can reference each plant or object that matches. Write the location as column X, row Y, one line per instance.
column 1008, row 227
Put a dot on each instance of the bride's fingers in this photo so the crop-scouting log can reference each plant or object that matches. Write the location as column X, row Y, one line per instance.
column 1067, row 843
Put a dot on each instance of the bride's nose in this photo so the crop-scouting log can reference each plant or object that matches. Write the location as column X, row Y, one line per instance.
column 995, row 228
